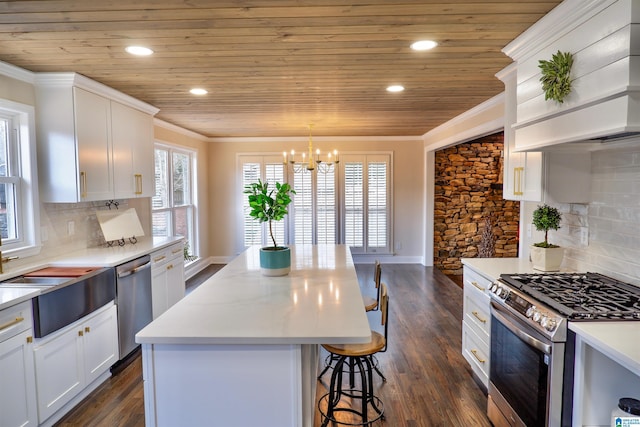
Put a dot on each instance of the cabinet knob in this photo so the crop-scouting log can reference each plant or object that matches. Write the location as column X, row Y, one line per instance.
column 80, row 333
column 169, row 267
column 29, row 339
column 87, row 329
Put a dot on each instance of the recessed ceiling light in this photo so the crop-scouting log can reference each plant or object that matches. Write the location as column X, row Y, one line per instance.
column 424, row 45
column 139, row 50
column 198, row 91
column 395, row 88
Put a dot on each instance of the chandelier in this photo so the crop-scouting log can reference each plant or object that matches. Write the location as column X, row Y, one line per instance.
column 310, row 163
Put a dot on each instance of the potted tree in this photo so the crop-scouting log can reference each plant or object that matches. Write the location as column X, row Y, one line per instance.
column 269, row 205
column 544, row 255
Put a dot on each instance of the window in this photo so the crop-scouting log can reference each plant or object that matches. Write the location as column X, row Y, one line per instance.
column 367, row 202
column 18, row 189
column 355, row 210
column 174, row 205
column 270, row 169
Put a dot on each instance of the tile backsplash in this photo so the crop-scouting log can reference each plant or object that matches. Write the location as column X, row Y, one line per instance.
column 611, row 220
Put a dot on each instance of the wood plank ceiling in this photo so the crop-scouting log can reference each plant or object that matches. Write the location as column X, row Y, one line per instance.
column 273, row 66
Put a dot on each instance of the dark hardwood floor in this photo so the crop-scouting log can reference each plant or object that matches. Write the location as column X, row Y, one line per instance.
column 428, row 381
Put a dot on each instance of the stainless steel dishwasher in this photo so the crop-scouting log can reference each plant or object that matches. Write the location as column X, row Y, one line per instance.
column 133, row 297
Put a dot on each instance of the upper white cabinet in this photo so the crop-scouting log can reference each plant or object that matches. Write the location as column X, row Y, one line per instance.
column 522, row 171
column 94, row 143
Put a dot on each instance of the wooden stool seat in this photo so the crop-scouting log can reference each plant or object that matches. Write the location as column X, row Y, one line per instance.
column 377, row 343
column 370, row 303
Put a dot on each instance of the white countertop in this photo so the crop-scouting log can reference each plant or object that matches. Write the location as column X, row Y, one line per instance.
column 619, row 341
column 90, row 257
column 492, row 268
column 319, row 301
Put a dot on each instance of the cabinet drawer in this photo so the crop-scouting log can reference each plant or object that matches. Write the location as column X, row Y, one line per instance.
column 477, row 314
column 473, row 279
column 476, row 352
column 15, row 319
column 162, row 256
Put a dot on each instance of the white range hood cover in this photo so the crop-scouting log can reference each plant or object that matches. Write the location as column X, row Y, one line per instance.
column 118, row 225
column 604, row 104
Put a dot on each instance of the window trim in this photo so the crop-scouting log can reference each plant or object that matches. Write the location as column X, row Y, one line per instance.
column 193, row 241
column 28, row 209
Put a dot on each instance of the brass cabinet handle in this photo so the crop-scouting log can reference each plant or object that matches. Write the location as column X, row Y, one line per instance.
column 478, row 286
column 158, row 259
column 478, row 358
column 83, row 184
column 29, row 339
column 169, row 267
column 11, row 323
column 80, row 333
column 87, row 329
column 477, row 316
column 517, row 185
column 175, row 251
column 138, row 178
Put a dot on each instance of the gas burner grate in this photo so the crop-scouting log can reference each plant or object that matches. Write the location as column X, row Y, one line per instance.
column 581, row 296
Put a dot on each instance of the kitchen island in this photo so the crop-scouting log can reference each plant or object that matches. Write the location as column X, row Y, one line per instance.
column 242, row 349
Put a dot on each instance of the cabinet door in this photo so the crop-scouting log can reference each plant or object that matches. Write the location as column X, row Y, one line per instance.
column 93, row 137
column 175, row 276
column 159, row 292
column 132, row 137
column 100, row 344
column 59, row 371
column 18, row 389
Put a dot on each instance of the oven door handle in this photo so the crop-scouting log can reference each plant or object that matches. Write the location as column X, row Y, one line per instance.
column 532, row 341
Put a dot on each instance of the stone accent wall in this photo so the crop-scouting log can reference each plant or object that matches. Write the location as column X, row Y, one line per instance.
column 465, row 196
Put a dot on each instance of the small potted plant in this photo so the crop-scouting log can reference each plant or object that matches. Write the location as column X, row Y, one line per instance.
column 269, row 205
column 544, row 255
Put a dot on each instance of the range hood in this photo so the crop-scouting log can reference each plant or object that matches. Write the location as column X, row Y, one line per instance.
column 604, row 103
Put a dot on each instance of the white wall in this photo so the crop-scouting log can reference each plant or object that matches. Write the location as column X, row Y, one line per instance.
column 225, row 192
column 612, row 218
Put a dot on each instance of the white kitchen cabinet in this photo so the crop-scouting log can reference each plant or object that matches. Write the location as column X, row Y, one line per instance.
column 167, row 282
column 553, row 176
column 94, row 143
column 476, row 323
column 522, row 171
column 68, row 361
column 17, row 377
column 133, row 158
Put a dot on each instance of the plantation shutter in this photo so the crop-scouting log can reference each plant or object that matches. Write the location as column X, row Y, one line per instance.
column 303, row 206
column 377, row 205
column 252, row 228
column 354, row 204
column 326, row 207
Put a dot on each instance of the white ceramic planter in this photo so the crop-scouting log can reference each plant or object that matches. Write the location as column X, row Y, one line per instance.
column 546, row 259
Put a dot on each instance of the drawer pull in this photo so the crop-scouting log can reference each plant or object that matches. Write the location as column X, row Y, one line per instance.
column 11, row 323
column 177, row 251
column 478, row 358
column 80, row 333
column 477, row 316
column 87, row 329
column 158, row 259
column 478, row 286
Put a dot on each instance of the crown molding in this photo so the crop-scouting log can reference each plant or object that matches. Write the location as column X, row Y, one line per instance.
column 559, row 21
column 180, row 130
column 17, row 73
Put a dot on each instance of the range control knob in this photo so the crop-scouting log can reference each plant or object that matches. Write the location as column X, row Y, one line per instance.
column 537, row 316
column 549, row 324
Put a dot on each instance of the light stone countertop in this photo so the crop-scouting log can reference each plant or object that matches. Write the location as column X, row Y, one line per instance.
column 90, row 257
column 620, row 341
column 492, row 268
column 319, row 301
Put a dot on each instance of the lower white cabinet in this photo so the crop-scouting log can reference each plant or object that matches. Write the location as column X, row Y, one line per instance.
column 476, row 323
column 68, row 361
column 167, row 277
column 17, row 378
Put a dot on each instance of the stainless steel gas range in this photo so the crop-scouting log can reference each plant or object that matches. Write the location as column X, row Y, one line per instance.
column 532, row 349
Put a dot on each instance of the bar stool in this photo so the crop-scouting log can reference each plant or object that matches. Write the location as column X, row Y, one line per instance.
column 358, row 358
column 370, row 304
